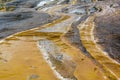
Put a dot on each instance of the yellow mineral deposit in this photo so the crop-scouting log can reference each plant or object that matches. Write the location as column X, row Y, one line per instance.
column 73, row 2
column 111, row 68
column 22, row 59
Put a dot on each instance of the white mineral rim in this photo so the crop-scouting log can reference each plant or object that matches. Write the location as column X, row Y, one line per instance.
column 42, row 3
column 105, row 53
column 46, row 57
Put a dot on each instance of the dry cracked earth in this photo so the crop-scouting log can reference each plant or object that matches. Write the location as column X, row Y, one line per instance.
column 59, row 39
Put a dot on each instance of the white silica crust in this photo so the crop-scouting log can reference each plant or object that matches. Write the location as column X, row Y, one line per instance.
column 46, row 57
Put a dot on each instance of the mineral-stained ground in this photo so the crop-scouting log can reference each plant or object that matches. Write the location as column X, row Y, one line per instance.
column 59, row 39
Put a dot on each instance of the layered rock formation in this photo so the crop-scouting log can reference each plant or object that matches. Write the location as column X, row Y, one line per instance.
column 60, row 40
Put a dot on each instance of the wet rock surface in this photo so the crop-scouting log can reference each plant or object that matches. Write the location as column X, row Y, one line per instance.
column 12, row 22
column 59, row 60
column 108, row 33
column 23, row 16
column 81, row 9
column 11, row 5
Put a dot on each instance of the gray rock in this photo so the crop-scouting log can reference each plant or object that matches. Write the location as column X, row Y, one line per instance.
column 114, row 5
column 59, row 57
column 33, row 76
column 23, row 19
column 22, row 3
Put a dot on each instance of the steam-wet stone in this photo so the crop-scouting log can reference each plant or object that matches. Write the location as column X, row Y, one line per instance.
column 23, row 19
column 108, row 33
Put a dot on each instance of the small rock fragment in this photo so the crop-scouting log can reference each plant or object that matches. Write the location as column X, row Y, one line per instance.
column 33, row 77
